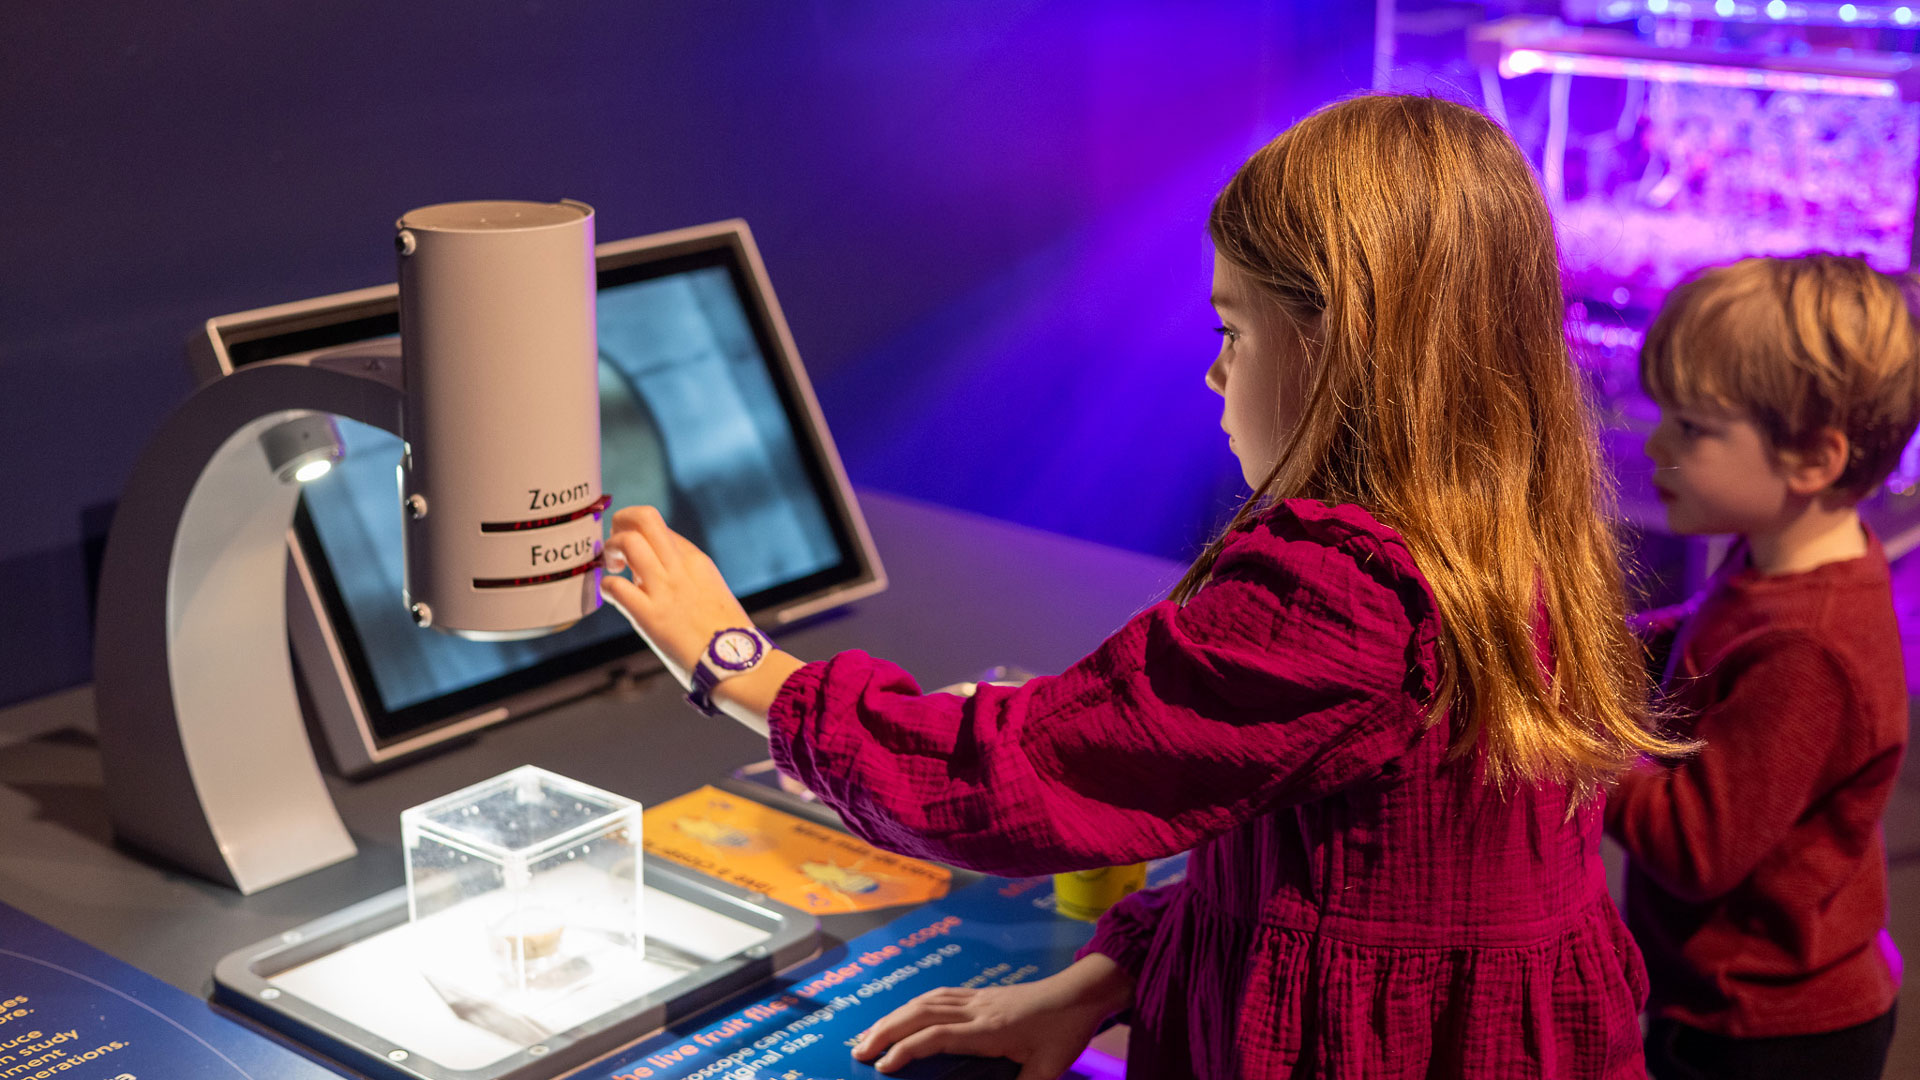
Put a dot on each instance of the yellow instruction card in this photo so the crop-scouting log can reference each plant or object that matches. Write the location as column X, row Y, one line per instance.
column 811, row 867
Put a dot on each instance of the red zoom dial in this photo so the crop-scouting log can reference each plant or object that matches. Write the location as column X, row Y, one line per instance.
column 595, row 507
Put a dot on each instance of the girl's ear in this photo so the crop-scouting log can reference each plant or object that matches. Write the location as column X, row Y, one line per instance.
column 1309, row 334
column 1815, row 468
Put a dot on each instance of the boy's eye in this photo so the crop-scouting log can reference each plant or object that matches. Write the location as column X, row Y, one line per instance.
column 1689, row 429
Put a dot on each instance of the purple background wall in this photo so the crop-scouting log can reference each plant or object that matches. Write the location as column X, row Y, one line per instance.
column 985, row 220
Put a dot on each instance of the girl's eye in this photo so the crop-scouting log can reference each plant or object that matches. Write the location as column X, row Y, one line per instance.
column 1227, row 332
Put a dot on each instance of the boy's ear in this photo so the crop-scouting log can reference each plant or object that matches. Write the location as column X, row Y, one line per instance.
column 1815, row 467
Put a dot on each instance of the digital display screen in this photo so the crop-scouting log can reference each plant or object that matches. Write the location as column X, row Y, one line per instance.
column 694, row 420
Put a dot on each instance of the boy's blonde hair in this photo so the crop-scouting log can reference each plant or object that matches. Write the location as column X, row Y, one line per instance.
column 1799, row 345
column 1411, row 234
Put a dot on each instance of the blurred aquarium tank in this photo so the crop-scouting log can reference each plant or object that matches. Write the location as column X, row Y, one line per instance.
column 1673, row 135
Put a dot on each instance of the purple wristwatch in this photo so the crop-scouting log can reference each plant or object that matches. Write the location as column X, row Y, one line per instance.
column 731, row 652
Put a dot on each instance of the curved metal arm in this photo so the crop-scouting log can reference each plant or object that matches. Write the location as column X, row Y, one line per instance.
column 207, row 761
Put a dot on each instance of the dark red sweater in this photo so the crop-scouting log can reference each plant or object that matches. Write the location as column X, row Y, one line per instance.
column 1757, row 880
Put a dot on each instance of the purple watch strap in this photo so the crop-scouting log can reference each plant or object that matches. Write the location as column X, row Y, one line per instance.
column 700, row 696
column 705, row 676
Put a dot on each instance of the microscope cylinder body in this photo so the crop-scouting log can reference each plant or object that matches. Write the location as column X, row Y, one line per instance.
column 501, row 480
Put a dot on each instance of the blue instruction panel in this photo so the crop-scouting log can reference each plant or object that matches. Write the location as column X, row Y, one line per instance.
column 802, row 1025
column 70, row 1012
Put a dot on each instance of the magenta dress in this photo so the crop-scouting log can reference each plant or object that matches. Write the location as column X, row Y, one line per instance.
column 1355, row 906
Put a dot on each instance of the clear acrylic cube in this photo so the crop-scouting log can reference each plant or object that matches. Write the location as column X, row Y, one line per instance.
column 523, row 887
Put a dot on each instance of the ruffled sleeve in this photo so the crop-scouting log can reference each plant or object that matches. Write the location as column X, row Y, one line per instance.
column 1125, row 932
column 1301, row 668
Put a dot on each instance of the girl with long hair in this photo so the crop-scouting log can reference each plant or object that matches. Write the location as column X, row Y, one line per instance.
column 1379, row 709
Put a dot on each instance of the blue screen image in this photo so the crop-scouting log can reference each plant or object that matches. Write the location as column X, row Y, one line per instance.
column 690, row 422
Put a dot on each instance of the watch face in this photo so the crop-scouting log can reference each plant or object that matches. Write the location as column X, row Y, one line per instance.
column 735, row 650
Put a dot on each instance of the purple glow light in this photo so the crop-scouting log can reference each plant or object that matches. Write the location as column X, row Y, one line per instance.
column 1097, row 1065
column 1530, row 61
column 1778, row 11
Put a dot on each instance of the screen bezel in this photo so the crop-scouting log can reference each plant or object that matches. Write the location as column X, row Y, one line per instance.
column 362, row 733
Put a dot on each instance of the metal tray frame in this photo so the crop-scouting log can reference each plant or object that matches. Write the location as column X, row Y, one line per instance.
column 243, row 981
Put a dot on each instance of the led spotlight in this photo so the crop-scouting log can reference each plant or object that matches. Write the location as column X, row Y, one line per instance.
column 312, row 470
column 302, row 449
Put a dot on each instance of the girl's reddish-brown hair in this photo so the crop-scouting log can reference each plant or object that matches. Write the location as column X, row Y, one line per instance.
column 1410, row 234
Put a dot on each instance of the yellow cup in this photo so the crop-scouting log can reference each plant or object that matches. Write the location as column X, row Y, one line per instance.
column 1086, row 894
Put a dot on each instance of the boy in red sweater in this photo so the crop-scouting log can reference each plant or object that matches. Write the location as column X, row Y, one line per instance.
column 1757, row 881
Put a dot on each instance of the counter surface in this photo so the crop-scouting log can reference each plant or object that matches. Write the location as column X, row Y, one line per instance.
column 965, row 593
